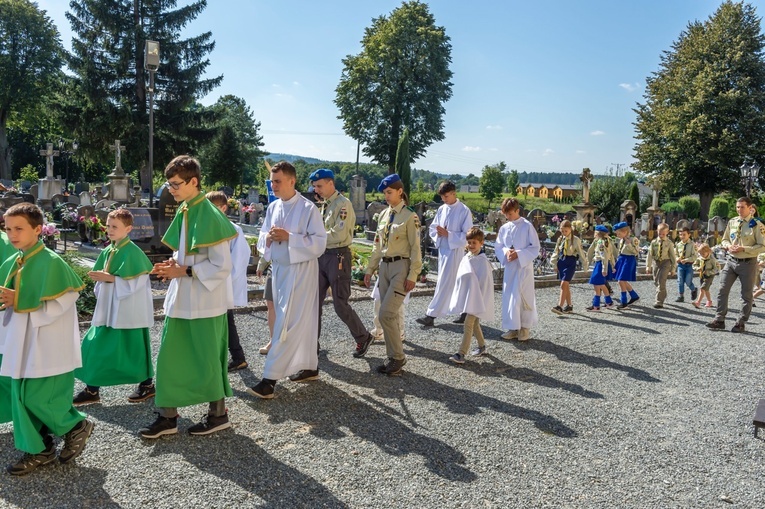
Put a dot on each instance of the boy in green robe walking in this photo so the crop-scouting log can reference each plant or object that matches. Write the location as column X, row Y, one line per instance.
column 192, row 361
column 40, row 338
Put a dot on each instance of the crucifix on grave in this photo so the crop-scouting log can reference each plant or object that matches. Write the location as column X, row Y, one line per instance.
column 119, row 190
column 586, row 178
column 585, row 210
column 49, row 154
column 117, row 148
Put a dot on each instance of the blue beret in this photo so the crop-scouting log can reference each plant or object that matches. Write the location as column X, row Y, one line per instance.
column 601, row 228
column 322, row 173
column 390, row 179
column 619, row 226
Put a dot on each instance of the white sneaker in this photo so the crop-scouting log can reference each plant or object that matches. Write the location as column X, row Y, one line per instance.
column 511, row 334
column 524, row 334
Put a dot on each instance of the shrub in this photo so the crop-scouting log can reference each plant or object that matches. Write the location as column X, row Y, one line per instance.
column 718, row 207
column 691, row 206
column 671, row 206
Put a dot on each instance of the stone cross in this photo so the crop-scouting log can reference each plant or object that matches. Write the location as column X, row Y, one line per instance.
column 655, row 202
column 117, row 157
column 49, row 153
column 539, row 219
column 586, row 178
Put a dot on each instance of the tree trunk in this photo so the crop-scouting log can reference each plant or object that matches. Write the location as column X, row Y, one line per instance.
column 705, row 199
column 5, row 149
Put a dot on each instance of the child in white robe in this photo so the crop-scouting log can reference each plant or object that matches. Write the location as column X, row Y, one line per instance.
column 473, row 295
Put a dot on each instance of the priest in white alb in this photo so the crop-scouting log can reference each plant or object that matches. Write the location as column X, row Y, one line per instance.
column 448, row 229
column 516, row 247
column 292, row 238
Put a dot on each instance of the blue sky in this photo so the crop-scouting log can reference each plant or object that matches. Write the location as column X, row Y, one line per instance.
column 542, row 85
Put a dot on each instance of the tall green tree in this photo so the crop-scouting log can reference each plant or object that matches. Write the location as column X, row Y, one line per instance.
column 608, row 192
column 403, row 164
column 512, row 181
column 233, row 155
column 492, row 182
column 30, row 65
column 704, row 109
column 107, row 94
column 400, row 79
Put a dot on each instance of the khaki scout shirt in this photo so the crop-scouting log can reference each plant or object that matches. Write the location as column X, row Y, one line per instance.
column 629, row 246
column 339, row 220
column 749, row 233
column 686, row 252
column 403, row 239
column 659, row 251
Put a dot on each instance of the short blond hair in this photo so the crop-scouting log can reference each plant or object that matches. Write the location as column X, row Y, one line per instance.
column 662, row 226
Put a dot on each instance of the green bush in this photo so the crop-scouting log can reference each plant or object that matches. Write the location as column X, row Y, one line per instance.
column 719, row 207
column 691, row 206
column 86, row 304
column 29, row 173
column 671, row 206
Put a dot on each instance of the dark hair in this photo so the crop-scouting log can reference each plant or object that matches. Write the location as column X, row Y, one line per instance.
column 509, row 204
column 474, row 233
column 400, row 185
column 286, row 168
column 123, row 215
column 745, row 199
column 33, row 214
column 186, row 167
column 446, row 187
column 685, row 229
column 218, row 198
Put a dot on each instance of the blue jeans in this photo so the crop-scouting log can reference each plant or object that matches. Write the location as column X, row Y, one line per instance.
column 685, row 277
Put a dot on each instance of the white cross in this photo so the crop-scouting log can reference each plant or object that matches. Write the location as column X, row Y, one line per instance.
column 49, row 153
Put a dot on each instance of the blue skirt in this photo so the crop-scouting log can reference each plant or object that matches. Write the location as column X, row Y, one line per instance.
column 597, row 277
column 567, row 268
column 626, row 268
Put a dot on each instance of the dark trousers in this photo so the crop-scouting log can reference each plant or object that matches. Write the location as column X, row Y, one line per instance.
column 331, row 275
column 237, row 354
column 746, row 272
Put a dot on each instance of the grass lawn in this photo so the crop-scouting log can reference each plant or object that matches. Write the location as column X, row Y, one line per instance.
column 478, row 203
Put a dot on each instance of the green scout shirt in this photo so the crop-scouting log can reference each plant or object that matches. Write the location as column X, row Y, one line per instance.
column 661, row 250
column 748, row 232
column 339, row 220
column 686, row 251
column 401, row 239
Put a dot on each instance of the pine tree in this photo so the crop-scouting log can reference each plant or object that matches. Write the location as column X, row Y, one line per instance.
column 107, row 96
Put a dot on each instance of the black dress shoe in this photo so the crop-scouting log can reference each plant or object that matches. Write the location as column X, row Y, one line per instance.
column 739, row 327
column 461, row 319
column 426, row 320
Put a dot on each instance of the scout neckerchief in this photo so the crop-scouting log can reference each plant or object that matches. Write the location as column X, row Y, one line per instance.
column 205, row 225
column 386, row 232
column 123, row 259
column 38, row 275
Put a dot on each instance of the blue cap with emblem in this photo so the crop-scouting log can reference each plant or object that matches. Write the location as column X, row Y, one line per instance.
column 619, row 226
column 601, row 228
column 390, row 179
column 321, row 173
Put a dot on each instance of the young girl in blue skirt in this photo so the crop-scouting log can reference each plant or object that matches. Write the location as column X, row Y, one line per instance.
column 568, row 251
column 603, row 269
column 626, row 264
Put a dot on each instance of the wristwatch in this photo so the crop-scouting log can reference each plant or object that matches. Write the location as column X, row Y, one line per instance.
column 188, row 271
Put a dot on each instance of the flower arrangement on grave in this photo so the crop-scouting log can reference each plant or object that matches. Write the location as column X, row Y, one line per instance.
column 94, row 225
column 424, row 273
column 580, row 226
column 50, row 232
column 429, row 214
column 358, row 267
column 69, row 216
column 233, row 205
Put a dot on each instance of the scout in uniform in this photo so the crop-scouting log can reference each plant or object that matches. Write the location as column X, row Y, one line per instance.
column 602, row 271
column 706, row 266
column 661, row 261
column 744, row 239
column 335, row 263
column 626, row 264
column 686, row 255
column 568, row 251
column 396, row 253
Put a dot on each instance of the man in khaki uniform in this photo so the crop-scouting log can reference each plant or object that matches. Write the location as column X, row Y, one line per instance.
column 396, row 253
column 744, row 239
column 335, row 264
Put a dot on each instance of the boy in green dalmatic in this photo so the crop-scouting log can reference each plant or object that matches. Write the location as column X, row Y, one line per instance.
column 41, row 345
column 117, row 348
column 193, row 355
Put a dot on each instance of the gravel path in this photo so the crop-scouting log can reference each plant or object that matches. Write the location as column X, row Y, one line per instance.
column 643, row 408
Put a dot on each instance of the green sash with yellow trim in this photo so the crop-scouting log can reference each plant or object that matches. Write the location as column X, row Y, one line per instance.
column 205, row 225
column 123, row 259
column 38, row 274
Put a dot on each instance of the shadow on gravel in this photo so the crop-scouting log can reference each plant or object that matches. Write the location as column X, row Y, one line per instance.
column 497, row 368
column 56, row 485
column 459, row 329
column 568, row 355
column 327, row 410
column 600, row 318
column 458, row 401
column 249, row 466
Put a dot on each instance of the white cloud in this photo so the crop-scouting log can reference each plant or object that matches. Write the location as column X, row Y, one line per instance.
column 630, row 87
column 471, row 149
column 275, row 85
column 581, row 151
column 597, row 133
column 296, row 83
column 494, row 127
column 547, row 152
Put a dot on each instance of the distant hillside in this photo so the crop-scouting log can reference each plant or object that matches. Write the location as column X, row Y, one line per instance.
column 292, row 158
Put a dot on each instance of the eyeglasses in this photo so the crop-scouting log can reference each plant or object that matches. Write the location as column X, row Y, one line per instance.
column 176, row 185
